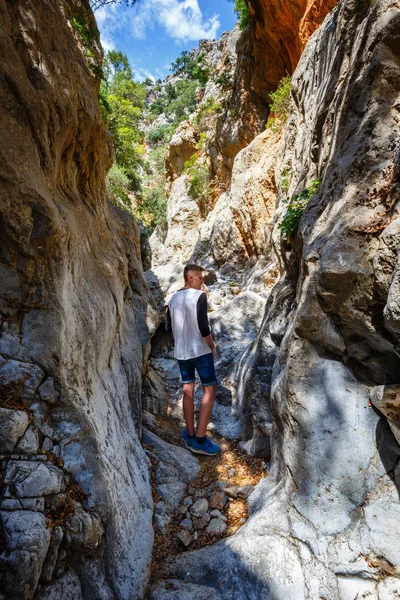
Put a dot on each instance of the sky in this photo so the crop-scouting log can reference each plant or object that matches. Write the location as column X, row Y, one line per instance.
column 153, row 33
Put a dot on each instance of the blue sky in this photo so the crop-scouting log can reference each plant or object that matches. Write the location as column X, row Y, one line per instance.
column 154, row 32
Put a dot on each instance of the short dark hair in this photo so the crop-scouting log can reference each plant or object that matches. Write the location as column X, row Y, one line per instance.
column 191, row 268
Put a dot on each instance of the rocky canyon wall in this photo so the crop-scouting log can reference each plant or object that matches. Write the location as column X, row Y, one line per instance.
column 76, row 316
column 322, row 374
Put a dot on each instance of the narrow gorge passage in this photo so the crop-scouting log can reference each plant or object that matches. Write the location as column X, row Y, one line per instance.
column 270, row 155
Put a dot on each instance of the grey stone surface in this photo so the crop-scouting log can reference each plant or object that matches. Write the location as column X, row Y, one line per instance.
column 29, row 443
column 29, row 479
column 47, row 445
column 186, row 524
column 199, row 508
column 202, row 521
column 68, row 587
column 176, row 590
column 13, row 424
column 176, row 468
column 216, row 527
column 184, row 537
column 185, row 465
column 57, row 535
column 20, row 377
column 48, row 392
column 84, row 531
column 27, row 540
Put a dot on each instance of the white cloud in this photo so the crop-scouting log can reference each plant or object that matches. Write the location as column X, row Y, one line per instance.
column 182, row 20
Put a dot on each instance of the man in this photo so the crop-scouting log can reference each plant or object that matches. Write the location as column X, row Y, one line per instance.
column 194, row 350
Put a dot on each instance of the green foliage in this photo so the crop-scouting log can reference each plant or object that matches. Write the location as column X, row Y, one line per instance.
column 185, row 101
column 207, row 108
column 295, row 210
column 87, row 33
column 177, row 101
column 199, row 179
column 224, row 80
column 117, row 184
column 121, row 102
column 163, row 134
column 152, row 206
column 280, row 99
column 242, row 11
column 285, row 179
column 192, row 67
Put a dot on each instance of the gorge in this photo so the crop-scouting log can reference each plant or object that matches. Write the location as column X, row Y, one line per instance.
column 306, row 318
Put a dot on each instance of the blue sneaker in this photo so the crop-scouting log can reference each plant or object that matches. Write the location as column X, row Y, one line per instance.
column 187, row 440
column 207, row 447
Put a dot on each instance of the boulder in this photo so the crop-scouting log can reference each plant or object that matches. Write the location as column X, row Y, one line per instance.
column 27, row 540
column 13, row 424
column 29, row 479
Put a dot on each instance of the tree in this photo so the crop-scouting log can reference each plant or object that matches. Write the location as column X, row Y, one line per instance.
column 95, row 4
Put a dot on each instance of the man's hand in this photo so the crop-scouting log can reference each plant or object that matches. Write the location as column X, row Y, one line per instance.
column 210, row 342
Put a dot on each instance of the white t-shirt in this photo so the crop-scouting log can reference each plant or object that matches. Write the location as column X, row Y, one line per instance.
column 183, row 309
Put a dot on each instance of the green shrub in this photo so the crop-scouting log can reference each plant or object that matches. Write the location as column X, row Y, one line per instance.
column 224, row 80
column 152, row 206
column 117, row 186
column 295, row 210
column 207, row 108
column 85, row 31
column 243, row 13
column 163, row 133
column 285, row 179
column 199, row 177
column 192, row 67
column 280, row 99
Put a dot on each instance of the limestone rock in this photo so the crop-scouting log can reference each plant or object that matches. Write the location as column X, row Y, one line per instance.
column 57, row 535
column 29, row 443
column 199, row 508
column 29, row 479
column 329, row 331
column 218, row 514
column 84, row 531
column 386, row 398
column 201, row 522
column 71, row 262
column 13, row 424
column 180, row 149
column 184, row 537
column 47, row 391
column 27, row 540
column 216, row 527
column 176, row 590
column 176, row 468
column 186, row 524
column 68, row 587
column 20, row 378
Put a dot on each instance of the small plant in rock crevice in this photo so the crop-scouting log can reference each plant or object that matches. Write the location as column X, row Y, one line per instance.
column 280, row 104
column 296, row 206
column 285, row 179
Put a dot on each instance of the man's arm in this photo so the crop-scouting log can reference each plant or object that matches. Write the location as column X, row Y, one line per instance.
column 202, row 320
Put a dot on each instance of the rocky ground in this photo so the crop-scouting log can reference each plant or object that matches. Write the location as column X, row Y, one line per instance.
column 198, row 500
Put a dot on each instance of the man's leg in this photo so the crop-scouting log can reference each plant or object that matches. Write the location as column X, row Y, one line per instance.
column 205, row 410
column 188, row 406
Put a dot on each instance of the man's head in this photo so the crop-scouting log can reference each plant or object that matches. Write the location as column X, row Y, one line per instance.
column 193, row 275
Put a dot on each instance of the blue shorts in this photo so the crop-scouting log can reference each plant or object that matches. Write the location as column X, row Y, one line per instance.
column 204, row 366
